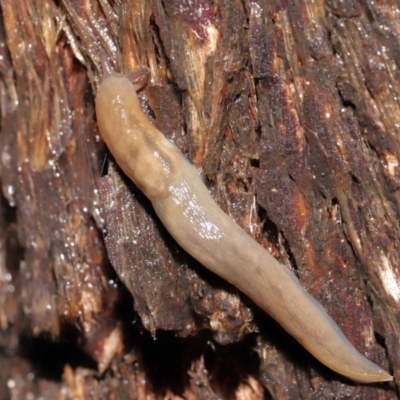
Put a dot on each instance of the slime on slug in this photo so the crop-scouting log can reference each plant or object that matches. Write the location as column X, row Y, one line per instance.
column 200, row 227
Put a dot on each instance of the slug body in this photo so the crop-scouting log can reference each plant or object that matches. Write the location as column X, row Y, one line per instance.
column 187, row 210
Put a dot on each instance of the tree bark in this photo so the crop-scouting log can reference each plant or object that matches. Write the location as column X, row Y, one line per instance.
column 290, row 110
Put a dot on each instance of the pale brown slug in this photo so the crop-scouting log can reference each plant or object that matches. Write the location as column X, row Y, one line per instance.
column 187, row 210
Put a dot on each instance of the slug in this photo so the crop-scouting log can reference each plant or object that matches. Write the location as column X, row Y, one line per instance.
column 187, row 210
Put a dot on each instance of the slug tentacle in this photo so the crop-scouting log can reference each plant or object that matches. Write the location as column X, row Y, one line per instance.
column 105, row 65
column 130, row 76
column 187, row 210
column 133, row 75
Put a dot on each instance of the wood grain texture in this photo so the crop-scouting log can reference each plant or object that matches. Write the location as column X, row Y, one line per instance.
column 291, row 111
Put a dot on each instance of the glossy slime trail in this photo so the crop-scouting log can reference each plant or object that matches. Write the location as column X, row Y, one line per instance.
column 184, row 205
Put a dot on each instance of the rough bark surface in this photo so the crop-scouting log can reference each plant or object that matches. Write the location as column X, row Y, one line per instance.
column 291, row 111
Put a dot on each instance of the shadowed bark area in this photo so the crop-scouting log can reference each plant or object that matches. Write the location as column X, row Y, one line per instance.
column 291, row 112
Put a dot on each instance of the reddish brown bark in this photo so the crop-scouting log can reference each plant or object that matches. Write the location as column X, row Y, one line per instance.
column 291, row 111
